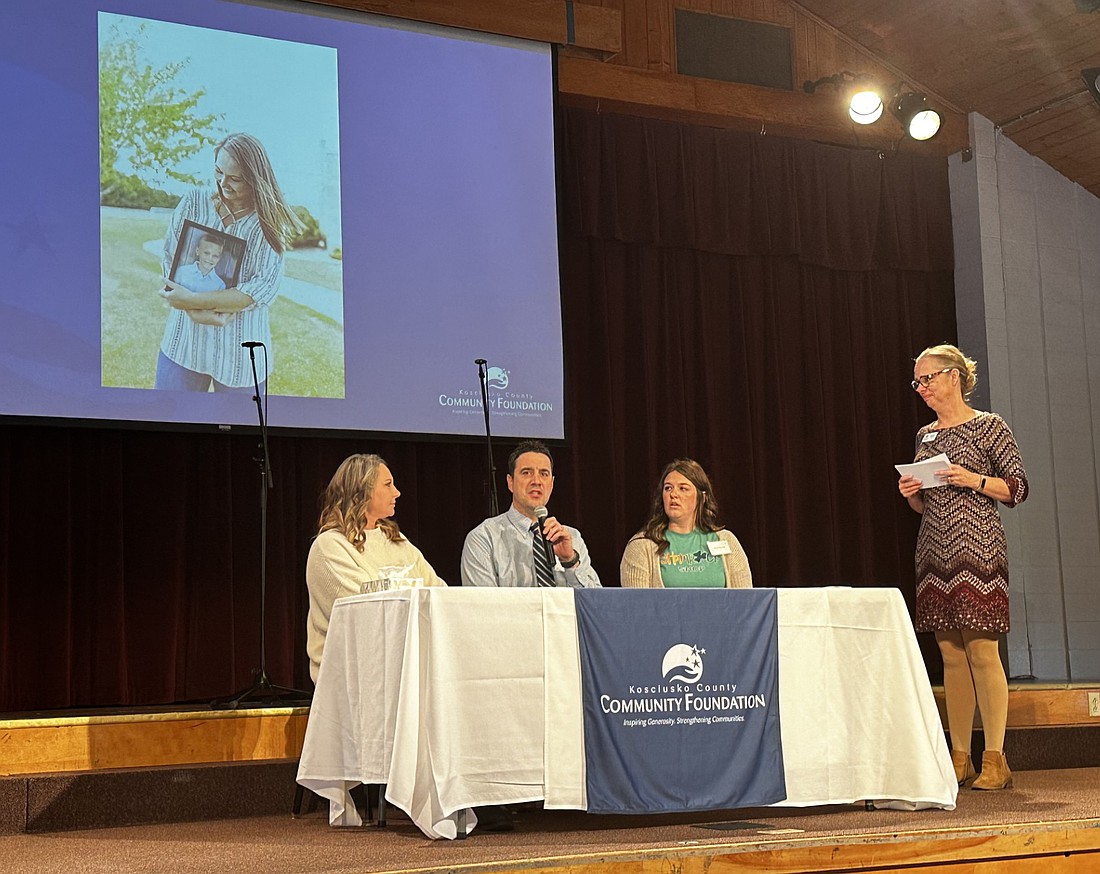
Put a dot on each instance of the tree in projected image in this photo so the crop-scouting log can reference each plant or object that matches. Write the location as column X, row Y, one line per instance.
column 146, row 122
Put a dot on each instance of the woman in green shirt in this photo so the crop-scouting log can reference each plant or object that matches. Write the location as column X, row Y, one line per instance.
column 683, row 544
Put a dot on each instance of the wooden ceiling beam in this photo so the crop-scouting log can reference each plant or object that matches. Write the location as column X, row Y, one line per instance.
column 595, row 28
column 746, row 107
column 898, row 73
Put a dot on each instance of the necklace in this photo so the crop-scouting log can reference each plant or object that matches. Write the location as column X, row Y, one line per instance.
column 230, row 216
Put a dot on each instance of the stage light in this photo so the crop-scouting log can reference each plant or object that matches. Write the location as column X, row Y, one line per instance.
column 866, row 104
column 919, row 121
column 865, row 107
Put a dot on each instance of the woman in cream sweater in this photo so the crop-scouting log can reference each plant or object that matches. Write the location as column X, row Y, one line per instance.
column 358, row 541
column 683, row 544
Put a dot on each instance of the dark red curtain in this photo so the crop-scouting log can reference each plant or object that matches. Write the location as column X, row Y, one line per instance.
column 749, row 301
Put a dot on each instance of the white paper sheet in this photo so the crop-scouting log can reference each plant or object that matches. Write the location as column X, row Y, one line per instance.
column 925, row 470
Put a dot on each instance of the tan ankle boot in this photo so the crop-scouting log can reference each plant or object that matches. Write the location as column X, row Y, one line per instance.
column 964, row 766
column 995, row 773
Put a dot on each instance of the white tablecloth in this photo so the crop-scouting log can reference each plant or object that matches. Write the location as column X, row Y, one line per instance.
column 459, row 697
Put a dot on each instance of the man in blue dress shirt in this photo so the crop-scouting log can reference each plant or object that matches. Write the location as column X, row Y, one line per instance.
column 502, row 551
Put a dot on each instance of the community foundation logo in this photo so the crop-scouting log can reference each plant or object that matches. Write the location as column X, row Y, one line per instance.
column 679, row 697
column 683, row 663
column 505, row 398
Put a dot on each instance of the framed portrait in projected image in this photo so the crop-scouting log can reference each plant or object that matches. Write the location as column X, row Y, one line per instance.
column 206, row 259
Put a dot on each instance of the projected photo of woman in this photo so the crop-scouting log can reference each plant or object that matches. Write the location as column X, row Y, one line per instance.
column 201, row 347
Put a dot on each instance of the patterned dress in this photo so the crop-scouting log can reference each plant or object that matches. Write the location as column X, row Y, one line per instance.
column 962, row 561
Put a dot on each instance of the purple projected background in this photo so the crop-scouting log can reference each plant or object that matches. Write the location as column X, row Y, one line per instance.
column 448, row 225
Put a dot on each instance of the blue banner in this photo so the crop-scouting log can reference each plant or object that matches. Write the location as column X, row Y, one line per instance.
column 681, row 699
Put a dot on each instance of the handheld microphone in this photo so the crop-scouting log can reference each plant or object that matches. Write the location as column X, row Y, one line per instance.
column 540, row 515
column 251, row 344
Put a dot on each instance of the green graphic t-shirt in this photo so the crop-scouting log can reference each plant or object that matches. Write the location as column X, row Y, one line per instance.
column 688, row 562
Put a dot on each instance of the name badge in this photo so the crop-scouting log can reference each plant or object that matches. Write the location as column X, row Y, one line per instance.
column 718, row 547
column 930, row 436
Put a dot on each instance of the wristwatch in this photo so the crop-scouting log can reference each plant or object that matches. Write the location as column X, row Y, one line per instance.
column 573, row 562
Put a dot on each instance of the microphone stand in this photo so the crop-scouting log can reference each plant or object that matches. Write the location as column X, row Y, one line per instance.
column 263, row 690
column 483, row 377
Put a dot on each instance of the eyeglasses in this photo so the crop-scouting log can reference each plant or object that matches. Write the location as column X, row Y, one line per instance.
column 928, row 377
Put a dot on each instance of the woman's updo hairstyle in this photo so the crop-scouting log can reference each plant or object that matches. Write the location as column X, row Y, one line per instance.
column 952, row 356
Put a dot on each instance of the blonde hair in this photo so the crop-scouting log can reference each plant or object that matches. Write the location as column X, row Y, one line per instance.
column 952, row 357
column 277, row 220
column 344, row 503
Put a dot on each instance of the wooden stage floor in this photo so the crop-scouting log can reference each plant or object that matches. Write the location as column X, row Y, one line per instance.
column 1048, row 822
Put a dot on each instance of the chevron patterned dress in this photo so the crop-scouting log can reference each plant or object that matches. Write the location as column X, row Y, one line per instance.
column 962, row 560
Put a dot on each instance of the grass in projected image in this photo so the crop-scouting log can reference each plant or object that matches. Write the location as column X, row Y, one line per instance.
column 306, row 321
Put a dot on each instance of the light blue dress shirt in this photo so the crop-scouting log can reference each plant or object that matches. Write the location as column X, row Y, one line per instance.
column 498, row 553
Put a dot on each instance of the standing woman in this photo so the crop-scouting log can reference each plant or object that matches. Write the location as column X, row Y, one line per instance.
column 962, row 561
column 202, row 339
column 357, row 540
column 683, row 544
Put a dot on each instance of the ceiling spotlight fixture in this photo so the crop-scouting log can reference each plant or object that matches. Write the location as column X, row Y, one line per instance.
column 919, row 121
column 866, row 101
column 865, row 107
